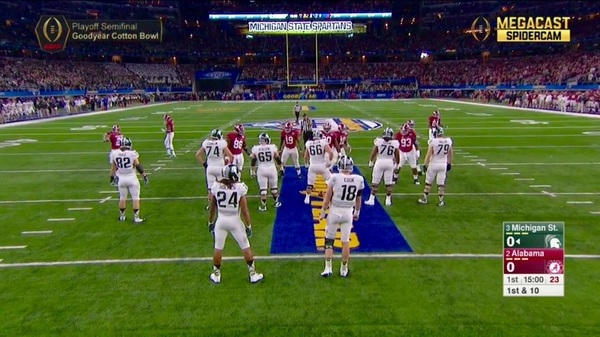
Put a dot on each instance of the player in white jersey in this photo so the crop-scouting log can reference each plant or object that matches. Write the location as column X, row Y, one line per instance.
column 341, row 206
column 228, row 207
column 315, row 154
column 125, row 163
column 433, row 130
column 213, row 155
column 384, row 160
column 438, row 162
column 265, row 161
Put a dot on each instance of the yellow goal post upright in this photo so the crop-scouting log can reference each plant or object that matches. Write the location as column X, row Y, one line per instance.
column 287, row 64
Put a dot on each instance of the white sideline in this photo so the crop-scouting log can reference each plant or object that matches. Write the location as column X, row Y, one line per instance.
column 572, row 114
column 43, row 120
column 459, row 194
column 315, row 256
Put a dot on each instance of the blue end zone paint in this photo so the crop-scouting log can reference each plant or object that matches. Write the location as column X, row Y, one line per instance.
column 294, row 229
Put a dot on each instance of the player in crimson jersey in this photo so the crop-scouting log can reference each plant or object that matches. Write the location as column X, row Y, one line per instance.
column 113, row 136
column 342, row 140
column 236, row 143
column 290, row 138
column 412, row 125
column 332, row 138
column 169, row 135
column 435, row 119
column 407, row 139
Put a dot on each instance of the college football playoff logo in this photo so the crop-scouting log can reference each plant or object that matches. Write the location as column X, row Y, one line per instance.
column 52, row 32
column 481, row 29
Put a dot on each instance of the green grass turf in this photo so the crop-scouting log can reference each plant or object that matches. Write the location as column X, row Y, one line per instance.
column 388, row 297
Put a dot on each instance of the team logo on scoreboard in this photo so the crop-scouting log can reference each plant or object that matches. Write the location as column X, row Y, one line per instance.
column 552, row 241
column 554, row 267
column 352, row 124
column 52, row 32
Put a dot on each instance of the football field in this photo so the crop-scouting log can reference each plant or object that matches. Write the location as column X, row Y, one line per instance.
column 69, row 267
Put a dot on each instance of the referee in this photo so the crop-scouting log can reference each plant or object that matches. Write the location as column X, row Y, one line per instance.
column 297, row 109
column 306, row 127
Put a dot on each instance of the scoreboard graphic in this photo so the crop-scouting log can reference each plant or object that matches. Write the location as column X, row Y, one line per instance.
column 534, row 259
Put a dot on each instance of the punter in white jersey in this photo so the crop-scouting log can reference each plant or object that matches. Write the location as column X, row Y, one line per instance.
column 316, row 154
column 227, row 204
column 341, row 206
column 265, row 161
column 438, row 162
column 125, row 164
column 384, row 161
column 213, row 155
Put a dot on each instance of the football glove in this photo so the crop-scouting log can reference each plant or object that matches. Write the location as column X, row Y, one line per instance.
column 371, row 164
column 418, row 153
column 247, row 151
column 114, row 181
column 211, row 228
column 249, row 231
column 163, row 130
column 205, row 165
column 146, row 181
column 323, row 214
column 448, row 167
column 424, row 168
column 252, row 173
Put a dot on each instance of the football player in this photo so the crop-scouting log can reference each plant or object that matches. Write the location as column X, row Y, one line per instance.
column 316, row 154
column 297, row 109
column 288, row 144
column 433, row 132
column 342, row 140
column 412, row 125
column 114, row 136
column 169, row 135
column 341, row 206
column 384, row 162
column 264, row 157
column 125, row 163
column 236, row 143
column 332, row 139
column 435, row 119
column 213, row 155
column 438, row 162
column 407, row 140
column 228, row 207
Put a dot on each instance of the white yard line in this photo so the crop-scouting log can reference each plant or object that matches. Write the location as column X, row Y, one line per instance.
column 544, row 186
column 79, row 209
column 158, row 168
column 595, row 212
column 358, row 165
column 104, row 200
column 498, row 168
column 109, row 192
column 35, row 232
column 12, row 247
column 287, row 257
column 458, row 194
column 60, row 219
column 580, row 202
column 510, row 173
column 524, row 179
column 553, row 195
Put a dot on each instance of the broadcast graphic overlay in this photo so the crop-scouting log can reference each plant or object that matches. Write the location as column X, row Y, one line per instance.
column 534, row 259
column 301, row 26
column 523, row 29
column 53, row 32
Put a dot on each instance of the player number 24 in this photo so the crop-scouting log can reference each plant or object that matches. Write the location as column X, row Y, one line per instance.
column 123, row 162
column 315, row 150
column 222, row 201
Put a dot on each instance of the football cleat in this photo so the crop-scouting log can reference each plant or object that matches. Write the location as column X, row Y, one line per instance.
column 256, row 277
column 215, row 278
column 441, row 203
column 277, row 204
column 344, row 270
column 370, row 201
column 138, row 220
column 122, row 218
column 388, row 201
column 327, row 272
column 422, row 201
column 417, row 182
column 262, row 208
column 307, row 199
